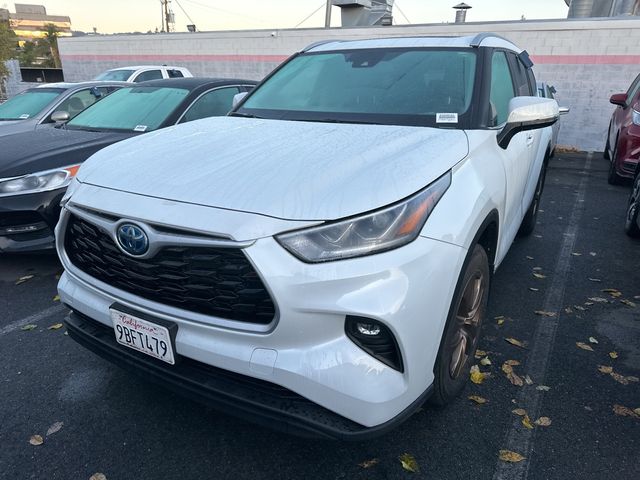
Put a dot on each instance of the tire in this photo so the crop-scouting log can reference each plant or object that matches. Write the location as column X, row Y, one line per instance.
column 462, row 331
column 613, row 178
column 607, row 145
column 528, row 224
column 633, row 210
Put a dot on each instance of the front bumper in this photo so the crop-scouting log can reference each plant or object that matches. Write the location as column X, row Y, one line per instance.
column 306, row 349
column 27, row 221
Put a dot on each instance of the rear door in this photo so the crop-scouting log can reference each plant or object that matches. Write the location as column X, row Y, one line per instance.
column 154, row 74
column 213, row 103
column 622, row 115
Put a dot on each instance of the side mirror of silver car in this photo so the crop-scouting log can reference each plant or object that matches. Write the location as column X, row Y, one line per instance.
column 60, row 116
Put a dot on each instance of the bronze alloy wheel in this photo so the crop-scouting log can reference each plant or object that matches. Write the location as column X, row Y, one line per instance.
column 462, row 330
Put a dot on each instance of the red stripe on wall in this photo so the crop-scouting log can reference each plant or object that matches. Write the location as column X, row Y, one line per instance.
column 540, row 59
column 176, row 58
column 587, row 59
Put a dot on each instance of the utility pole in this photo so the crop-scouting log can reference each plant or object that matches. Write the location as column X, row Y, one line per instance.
column 167, row 20
column 327, row 15
column 162, row 14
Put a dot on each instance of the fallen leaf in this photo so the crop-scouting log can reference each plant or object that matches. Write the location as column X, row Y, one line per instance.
column 485, row 362
column 613, row 292
column 369, row 463
column 568, row 311
column 613, row 355
column 28, row 327
column 605, row 369
column 476, row 375
column 598, row 300
column 521, row 412
column 628, row 303
column 513, row 363
column 55, row 428
column 624, row 411
column 529, row 258
column 98, row 476
column 593, row 340
column 511, row 375
column 584, row 346
column 26, row 278
column 543, row 388
column 527, row 380
column 593, row 254
column 500, row 321
column 480, row 353
column 538, row 236
column 55, row 326
column 499, row 317
column 597, row 280
column 542, row 313
column 36, row 440
column 588, row 304
column 526, row 421
column 537, row 268
column 576, row 254
column 543, row 422
column 637, row 411
column 56, row 298
column 511, row 457
column 534, row 289
column 539, row 275
column 477, row 399
column 409, row 463
column 517, row 343
column 578, row 307
column 622, row 379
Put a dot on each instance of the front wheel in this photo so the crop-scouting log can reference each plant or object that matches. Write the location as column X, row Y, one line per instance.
column 462, row 331
column 613, row 178
column 633, row 210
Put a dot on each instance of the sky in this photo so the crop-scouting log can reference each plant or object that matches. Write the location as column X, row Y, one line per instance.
column 111, row 16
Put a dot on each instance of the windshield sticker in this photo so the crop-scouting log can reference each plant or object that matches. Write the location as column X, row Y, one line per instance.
column 140, row 128
column 446, row 118
column 24, row 116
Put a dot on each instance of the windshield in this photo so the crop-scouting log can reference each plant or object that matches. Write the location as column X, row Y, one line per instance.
column 115, row 75
column 138, row 109
column 389, row 86
column 28, row 103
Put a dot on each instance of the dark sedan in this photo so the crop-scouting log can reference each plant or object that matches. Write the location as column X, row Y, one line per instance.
column 33, row 109
column 36, row 167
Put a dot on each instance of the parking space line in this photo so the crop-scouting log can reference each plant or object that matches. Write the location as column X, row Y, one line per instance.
column 518, row 438
column 36, row 317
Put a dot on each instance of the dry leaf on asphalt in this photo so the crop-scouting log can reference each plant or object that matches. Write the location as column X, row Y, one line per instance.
column 534, row 289
column 578, row 307
column 526, row 421
column 55, row 326
column 513, row 363
column 597, row 280
column 576, row 254
column 521, row 412
column 624, row 411
column 511, row 375
column 628, row 303
column 481, row 353
column 543, row 422
column 477, row 399
column 542, row 313
column 605, row 369
column 613, row 292
column 409, row 463
column 28, row 327
column 537, row 269
column 56, row 298
column 593, row 340
column 485, row 362
column 636, row 411
column 539, row 275
column 517, row 343
column 588, row 304
column 55, row 428
column 568, row 311
column 613, row 355
column 584, row 346
column 527, row 380
column 369, row 463
column 476, row 375
column 36, row 440
column 98, row 476
column 26, row 278
column 543, row 388
column 511, row 457
column 622, row 379
column 529, row 258
column 598, row 300
column 593, row 254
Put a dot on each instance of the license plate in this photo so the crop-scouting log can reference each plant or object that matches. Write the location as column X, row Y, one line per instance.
column 143, row 336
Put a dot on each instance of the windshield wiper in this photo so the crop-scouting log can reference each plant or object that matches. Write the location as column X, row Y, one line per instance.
column 243, row 115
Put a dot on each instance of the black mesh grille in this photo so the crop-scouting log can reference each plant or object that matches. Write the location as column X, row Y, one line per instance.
column 212, row 281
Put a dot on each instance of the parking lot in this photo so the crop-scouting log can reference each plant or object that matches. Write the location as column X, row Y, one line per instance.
column 586, row 294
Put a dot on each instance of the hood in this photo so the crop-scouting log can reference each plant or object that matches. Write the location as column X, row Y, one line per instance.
column 283, row 169
column 35, row 151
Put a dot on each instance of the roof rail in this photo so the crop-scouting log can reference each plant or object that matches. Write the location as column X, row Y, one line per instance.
column 478, row 39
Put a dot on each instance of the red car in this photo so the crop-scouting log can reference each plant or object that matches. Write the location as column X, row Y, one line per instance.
column 623, row 140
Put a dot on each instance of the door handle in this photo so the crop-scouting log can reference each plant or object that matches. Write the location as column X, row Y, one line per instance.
column 529, row 139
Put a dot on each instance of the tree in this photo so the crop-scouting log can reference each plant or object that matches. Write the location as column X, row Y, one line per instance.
column 8, row 43
column 51, row 37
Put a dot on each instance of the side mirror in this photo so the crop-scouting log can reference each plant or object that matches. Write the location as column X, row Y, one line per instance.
column 564, row 110
column 528, row 113
column 237, row 98
column 60, row 116
column 619, row 99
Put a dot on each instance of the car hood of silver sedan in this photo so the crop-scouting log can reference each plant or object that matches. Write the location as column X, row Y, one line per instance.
column 284, row 169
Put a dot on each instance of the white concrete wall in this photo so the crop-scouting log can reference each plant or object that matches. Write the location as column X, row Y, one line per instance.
column 587, row 60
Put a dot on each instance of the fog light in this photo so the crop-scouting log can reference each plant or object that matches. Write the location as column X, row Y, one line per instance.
column 376, row 339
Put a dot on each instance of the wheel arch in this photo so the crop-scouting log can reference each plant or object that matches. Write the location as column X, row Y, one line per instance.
column 488, row 235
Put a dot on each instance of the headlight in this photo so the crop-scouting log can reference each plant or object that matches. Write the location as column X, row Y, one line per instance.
column 38, row 182
column 635, row 117
column 385, row 229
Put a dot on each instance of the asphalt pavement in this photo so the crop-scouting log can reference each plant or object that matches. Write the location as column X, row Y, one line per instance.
column 115, row 423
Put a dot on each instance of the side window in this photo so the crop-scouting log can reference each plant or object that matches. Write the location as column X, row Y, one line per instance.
column 634, row 89
column 149, row 75
column 174, row 73
column 501, row 89
column 214, row 103
column 81, row 100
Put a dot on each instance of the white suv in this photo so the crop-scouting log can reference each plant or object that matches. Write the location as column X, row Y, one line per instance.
column 144, row 73
column 319, row 260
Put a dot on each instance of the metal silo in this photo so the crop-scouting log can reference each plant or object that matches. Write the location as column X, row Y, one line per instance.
column 602, row 8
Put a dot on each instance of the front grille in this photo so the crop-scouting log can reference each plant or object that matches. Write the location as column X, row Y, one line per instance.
column 213, row 281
